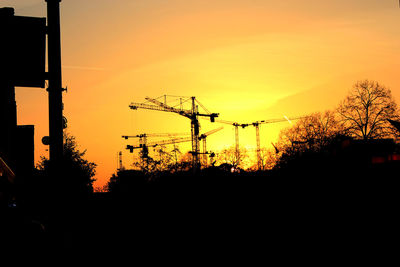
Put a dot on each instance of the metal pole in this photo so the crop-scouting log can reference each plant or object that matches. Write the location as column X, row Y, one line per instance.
column 257, row 125
column 236, row 143
column 55, row 81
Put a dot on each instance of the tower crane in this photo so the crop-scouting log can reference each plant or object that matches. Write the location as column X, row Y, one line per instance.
column 145, row 147
column 257, row 125
column 143, row 137
column 203, row 137
column 193, row 114
column 236, row 125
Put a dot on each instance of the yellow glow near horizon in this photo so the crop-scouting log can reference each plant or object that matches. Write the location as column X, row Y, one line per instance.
column 247, row 60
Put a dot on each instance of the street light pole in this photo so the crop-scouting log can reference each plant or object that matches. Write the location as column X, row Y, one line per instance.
column 55, row 81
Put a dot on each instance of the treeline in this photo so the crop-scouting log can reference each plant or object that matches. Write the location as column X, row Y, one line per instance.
column 328, row 168
column 341, row 141
column 323, row 169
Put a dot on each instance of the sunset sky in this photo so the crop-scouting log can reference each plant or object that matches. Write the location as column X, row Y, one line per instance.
column 248, row 60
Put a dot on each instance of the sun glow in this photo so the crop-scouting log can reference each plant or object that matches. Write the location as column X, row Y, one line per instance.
column 247, row 60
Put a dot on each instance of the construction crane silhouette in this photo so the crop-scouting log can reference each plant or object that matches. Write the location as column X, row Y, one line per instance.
column 193, row 114
column 158, row 143
column 257, row 125
column 203, row 137
column 145, row 147
column 236, row 125
column 143, row 137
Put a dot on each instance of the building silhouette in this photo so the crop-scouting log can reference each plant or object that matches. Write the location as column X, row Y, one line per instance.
column 16, row 141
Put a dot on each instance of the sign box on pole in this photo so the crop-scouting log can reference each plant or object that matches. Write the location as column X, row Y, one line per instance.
column 23, row 49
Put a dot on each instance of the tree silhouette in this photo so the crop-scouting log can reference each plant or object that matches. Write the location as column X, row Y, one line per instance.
column 231, row 157
column 162, row 160
column 268, row 158
column 366, row 110
column 308, row 138
column 311, row 133
column 75, row 175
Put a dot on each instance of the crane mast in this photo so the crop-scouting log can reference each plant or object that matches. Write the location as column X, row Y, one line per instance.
column 257, row 125
column 236, row 125
column 203, row 137
column 195, row 129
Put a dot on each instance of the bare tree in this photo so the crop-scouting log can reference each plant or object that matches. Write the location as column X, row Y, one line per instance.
column 268, row 158
column 230, row 156
column 366, row 110
column 311, row 133
column 162, row 160
column 312, row 137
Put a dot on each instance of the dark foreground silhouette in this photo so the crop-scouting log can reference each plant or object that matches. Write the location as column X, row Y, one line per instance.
column 219, row 213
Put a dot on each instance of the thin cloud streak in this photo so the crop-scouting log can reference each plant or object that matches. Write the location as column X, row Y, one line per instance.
column 83, row 68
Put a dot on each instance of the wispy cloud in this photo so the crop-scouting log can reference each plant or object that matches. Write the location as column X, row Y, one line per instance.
column 83, row 68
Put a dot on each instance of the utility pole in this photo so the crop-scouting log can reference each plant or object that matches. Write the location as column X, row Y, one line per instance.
column 55, row 81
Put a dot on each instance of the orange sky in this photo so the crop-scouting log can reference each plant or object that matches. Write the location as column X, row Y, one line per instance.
column 247, row 60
